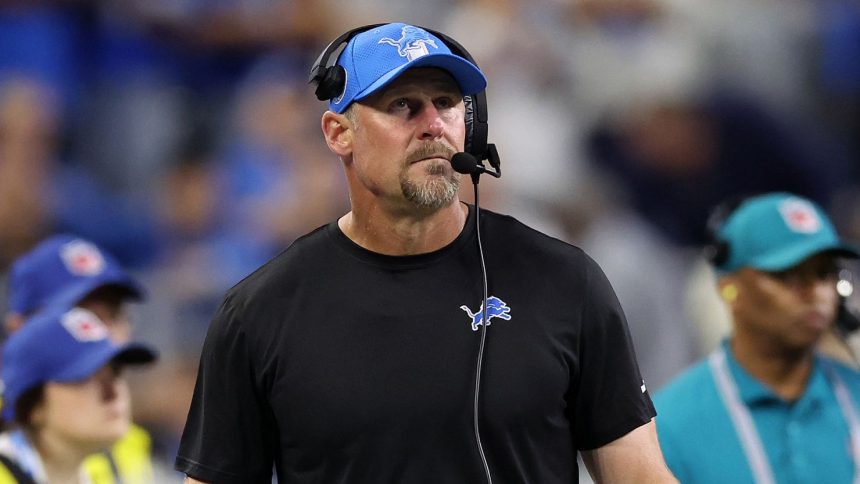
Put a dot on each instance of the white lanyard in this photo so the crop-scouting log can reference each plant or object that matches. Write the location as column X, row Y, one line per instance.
column 16, row 447
column 745, row 427
column 849, row 410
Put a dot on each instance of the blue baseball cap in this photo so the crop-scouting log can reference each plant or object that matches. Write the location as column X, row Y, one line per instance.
column 375, row 57
column 64, row 269
column 778, row 231
column 61, row 345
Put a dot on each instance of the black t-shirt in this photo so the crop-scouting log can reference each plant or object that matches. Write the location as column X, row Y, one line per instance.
column 337, row 364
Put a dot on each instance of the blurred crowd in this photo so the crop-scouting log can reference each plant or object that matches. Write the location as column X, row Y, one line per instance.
column 182, row 137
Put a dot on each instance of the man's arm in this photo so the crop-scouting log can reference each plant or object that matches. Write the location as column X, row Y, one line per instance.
column 191, row 480
column 633, row 458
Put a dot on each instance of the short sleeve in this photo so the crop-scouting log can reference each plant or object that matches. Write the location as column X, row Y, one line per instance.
column 610, row 398
column 228, row 434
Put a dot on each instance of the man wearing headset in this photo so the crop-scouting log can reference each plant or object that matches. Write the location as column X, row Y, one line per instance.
column 764, row 407
column 357, row 354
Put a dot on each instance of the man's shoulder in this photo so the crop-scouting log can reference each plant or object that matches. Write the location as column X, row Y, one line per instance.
column 849, row 374
column 840, row 365
column 524, row 235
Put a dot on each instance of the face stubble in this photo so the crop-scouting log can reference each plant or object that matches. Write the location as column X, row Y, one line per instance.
column 434, row 190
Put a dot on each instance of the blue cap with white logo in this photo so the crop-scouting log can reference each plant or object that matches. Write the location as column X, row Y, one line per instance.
column 61, row 345
column 778, row 231
column 374, row 58
column 63, row 269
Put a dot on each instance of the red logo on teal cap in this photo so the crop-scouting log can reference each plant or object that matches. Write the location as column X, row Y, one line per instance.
column 800, row 216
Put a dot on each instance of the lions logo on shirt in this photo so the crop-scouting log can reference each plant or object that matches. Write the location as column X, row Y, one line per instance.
column 412, row 43
column 496, row 308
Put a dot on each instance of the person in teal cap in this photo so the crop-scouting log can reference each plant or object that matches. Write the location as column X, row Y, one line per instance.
column 764, row 407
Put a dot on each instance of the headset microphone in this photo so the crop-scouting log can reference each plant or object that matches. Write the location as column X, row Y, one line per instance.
column 847, row 321
column 464, row 163
column 467, row 164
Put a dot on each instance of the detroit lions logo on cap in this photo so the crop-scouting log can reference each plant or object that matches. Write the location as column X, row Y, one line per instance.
column 496, row 308
column 412, row 43
column 84, row 326
column 800, row 216
column 82, row 258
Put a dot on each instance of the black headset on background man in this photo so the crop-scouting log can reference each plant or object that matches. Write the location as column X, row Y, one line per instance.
column 717, row 252
column 330, row 80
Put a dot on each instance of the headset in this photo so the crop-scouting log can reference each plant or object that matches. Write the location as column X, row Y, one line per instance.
column 847, row 319
column 717, row 250
column 330, row 81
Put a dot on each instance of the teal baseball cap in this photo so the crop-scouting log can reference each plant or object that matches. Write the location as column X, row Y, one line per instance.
column 777, row 231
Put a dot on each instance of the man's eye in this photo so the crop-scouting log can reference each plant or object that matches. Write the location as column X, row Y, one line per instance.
column 828, row 273
column 401, row 103
column 782, row 275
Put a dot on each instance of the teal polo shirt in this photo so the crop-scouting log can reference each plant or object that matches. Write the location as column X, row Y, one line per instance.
column 806, row 441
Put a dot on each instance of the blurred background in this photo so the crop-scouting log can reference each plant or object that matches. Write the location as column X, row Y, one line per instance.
column 182, row 136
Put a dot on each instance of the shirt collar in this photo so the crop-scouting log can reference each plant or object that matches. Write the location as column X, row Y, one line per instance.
column 753, row 392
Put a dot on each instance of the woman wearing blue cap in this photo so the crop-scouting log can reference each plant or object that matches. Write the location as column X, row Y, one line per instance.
column 64, row 396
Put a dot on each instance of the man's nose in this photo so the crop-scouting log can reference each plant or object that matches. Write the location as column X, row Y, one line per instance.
column 432, row 124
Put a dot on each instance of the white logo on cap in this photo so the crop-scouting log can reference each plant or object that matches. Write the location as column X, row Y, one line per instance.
column 82, row 258
column 412, row 43
column 84, row 326
column 800, row 216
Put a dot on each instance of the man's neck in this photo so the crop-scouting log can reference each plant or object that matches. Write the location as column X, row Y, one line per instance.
column 785, row 371
column 390, row 233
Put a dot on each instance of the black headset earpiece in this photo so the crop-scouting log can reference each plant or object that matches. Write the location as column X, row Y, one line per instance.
column 329, row 77
column 717, row 253
column 330, row 81
column 717, row 250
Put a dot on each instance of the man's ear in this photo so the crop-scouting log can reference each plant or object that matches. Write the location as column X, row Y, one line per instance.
column 338, row 131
